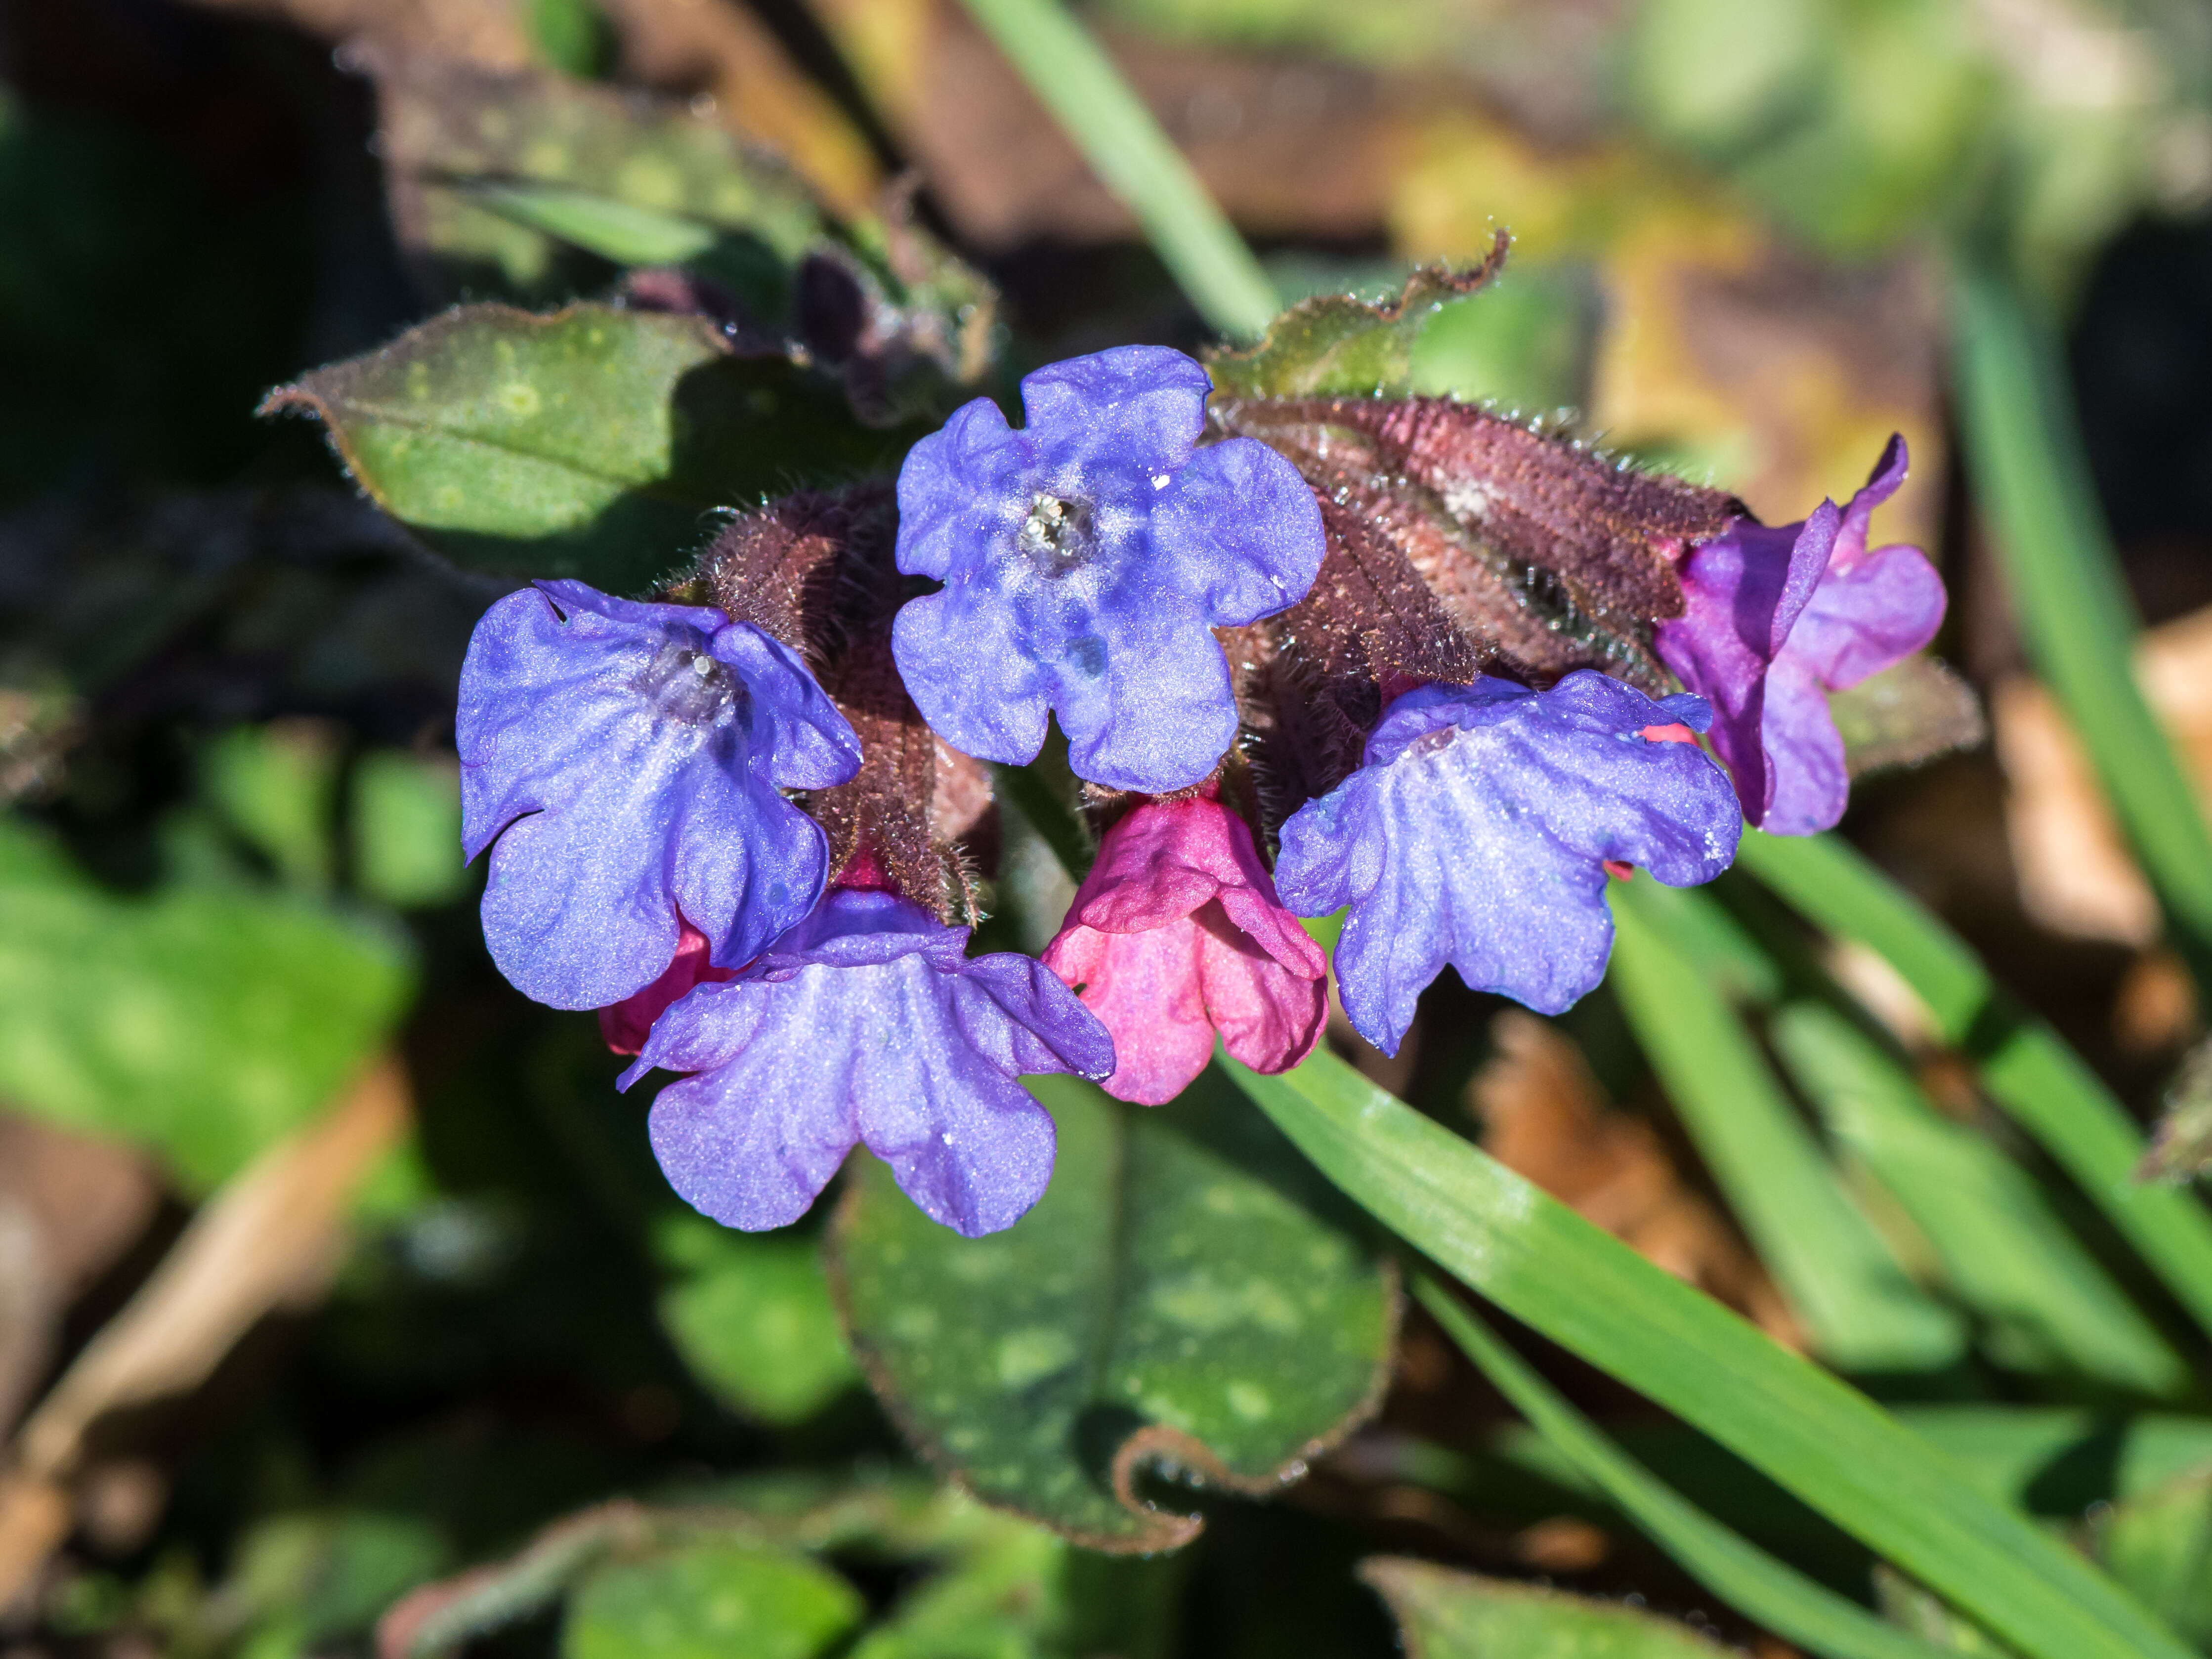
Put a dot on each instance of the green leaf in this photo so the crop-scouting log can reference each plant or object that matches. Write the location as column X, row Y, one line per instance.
column 710, row 1601
column 450, row 129
column 1186, row 1292
column 2160, row 1545
column 278, row 786
column 751, row 1316
column 573, row 36
column 2181, row 1146
column 1912, row 711
column 1336, row 344
column 2060, row 1459
column 621, row 231
column 2025, row 1066
column 1775, row 1594
column 1805, row 1428
column 330, row 1575
column 1442, row 1615
column 2003, row 1250
column 1017, row 1591
column 406, row 828
column 1523, row 343
column 2024, row 455
column 993, row 1583
column 507, row 176
column 1910, row 1608
column 1860, row 1310
column 203, row 1023
column 586, row 443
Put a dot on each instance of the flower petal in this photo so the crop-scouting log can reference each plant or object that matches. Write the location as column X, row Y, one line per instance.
column 1742, row 592
column 866, row 1023
column 1133, row 407
column 1477, row 833
column 1881, row 484
column 1245, row 528
column 1878, row 611
column 1146, row 987
column 1805, row 754
column 969, row 673
column 1086, row 560
column 752, row 1141
column 1270, row 1010
column 808, row 744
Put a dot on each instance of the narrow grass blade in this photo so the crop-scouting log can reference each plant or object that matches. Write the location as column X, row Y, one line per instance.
column 2061, row 1459
column 621, row 231
column 2024, row 455
column 2025, row 1068
column 1808, row 1431
column 2004, row 1251
column 1118, row 136
column 1742, row 1574
column 1861, row 1311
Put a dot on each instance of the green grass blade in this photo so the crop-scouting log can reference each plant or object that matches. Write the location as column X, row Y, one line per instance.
column 2004, row 1251
column 1808, row 1431
column 2025, row 1068
column 1117, row 135
column 2024, row 455
column 1860, row 1308
column 621, row 231
column 1742, row 1574
column 2060, row 1459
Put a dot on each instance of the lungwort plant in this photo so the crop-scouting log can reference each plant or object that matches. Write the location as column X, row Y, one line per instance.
column 1031, row 809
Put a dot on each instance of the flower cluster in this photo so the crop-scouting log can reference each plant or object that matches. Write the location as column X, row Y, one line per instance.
column 1454, row 670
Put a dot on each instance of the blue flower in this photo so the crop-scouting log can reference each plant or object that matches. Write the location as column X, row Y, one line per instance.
column 1086, row 559
column 866, row 1023
column 626, row 758
column 1477, row 830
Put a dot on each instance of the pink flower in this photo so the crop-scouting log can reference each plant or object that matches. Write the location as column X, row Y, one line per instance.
column 1177, row 933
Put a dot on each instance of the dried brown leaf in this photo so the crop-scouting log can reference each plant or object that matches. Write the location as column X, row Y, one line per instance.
column 270, row 1238
column 1545, row 1117
column 70, row 1204
column 2076, row 875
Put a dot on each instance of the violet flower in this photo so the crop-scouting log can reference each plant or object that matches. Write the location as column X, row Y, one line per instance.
column 1477, row 831
column 1176, row 933
column 866, row 1023
column 1086, row 559
column 625, row 758
column 1776, row 618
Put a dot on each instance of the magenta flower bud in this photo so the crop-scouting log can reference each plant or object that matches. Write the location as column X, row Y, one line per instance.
column 1177, row 934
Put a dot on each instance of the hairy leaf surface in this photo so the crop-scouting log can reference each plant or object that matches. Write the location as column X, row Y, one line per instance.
column 1186, row 1293
column 589, row 442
